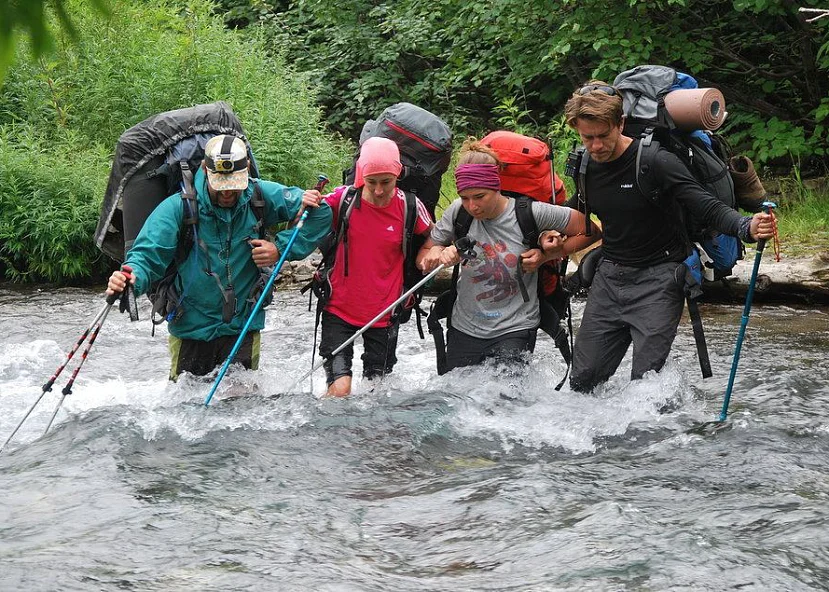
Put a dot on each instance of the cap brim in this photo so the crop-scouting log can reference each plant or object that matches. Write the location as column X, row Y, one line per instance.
column 228, row 181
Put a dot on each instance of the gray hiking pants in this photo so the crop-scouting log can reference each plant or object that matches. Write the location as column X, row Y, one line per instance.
column 627, row 304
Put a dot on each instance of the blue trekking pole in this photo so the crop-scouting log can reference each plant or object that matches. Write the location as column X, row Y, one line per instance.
column 761, row 244
column 257, row 306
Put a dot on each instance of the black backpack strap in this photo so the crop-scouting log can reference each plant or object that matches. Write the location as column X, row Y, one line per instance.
column 320, row 284
column 164, row 294
column 645, row 154
column 349, row 201
column 581, row 190
column 442, row 306
column 190, row 205
column 529, row 230
column 699, row 337
column 409, row 221
column 409, row 254
column 257, row 204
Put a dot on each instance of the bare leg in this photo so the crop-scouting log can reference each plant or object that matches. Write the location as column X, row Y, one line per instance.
column 340, row 387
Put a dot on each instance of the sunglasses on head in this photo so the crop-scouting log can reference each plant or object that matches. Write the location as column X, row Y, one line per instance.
column 608, row 90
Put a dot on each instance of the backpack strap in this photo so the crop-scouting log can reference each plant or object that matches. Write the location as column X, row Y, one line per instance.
column 442, row 306
column 409, row 221
column 409, row 254
column 645, row 154
column 189, row 201
column 529, row 230
column 164, row 295
column 257, row 204
column 581, row 190
column 350, row 200
column 460, row 226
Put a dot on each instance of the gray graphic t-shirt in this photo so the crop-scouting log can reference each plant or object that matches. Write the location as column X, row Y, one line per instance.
column 489, row 300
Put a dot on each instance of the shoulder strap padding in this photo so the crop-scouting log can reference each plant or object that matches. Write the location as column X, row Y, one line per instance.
column 257, row 204
column 645, row 155
column 409, row 221
column 526, row 220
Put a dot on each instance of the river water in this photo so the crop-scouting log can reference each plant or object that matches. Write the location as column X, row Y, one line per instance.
column 477, row 480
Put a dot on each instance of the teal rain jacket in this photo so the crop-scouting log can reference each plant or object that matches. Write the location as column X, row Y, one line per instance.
column 225, row 233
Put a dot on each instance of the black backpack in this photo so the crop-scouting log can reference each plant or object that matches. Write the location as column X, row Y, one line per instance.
column 425, row 143
column 320, row 284
column 153, row 160
column 551, row 319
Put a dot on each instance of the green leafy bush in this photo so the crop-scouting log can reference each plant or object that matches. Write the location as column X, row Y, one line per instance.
column 146, row 57
column 49, row 206
column 462, row 59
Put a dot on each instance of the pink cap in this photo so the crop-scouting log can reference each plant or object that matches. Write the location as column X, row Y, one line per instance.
column 377, row 156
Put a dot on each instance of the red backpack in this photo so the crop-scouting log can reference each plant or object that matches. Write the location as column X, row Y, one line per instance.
column 528, row 166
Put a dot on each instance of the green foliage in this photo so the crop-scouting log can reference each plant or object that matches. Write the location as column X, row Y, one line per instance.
column 49, row 205
column 30, row 17
column 803, row 213
column 147, row 57
column 468, row 61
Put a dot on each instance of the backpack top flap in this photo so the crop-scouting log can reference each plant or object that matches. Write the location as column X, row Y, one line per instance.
column 424, row 139
column 642, row 89
column 144, row 147
column 527, row 164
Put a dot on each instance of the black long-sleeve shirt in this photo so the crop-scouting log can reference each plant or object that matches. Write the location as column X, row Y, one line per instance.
column 639, row 232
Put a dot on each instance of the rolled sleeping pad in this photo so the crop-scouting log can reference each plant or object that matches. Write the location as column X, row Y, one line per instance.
column 696, row 108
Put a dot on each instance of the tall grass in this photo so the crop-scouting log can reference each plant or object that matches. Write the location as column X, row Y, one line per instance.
column 145, row 58
column 803, row 214
column 49, row 202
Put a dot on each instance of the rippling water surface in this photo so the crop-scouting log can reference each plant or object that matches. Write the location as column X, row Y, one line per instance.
column 477, row 480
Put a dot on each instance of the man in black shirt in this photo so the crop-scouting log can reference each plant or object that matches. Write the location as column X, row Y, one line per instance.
column 637, row 292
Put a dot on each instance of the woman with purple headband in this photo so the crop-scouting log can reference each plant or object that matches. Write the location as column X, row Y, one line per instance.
column 492, row 315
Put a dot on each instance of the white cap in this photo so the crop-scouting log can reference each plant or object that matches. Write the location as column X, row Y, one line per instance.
column 226, row 160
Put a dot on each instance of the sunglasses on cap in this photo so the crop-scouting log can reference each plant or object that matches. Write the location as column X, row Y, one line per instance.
column 608, row 90
column 224, row 164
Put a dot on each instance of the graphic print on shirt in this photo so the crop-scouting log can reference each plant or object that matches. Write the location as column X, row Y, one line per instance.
column 496, row 272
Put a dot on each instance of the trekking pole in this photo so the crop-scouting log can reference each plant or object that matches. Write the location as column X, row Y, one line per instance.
column 257, row 306
column 67, row 390
column 94, row 327
column 761, row 244
column 371, row 323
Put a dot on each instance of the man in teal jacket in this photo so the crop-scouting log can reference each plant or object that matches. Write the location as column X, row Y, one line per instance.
column 218, row 279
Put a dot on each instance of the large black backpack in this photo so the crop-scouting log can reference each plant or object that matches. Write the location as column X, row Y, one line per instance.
column 153, row 160
column 425, row 143
column 443, row 304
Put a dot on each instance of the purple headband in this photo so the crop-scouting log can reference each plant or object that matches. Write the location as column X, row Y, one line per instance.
column 478, row 176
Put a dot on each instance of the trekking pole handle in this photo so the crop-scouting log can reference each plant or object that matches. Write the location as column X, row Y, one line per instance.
column 127, row 271
column 322, row 180
column 466, row 247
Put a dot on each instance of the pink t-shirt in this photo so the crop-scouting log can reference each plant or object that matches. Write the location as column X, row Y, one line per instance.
column 375, row 258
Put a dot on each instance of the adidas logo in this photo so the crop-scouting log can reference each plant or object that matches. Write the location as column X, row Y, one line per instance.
column 390, row 228
column 626, row 186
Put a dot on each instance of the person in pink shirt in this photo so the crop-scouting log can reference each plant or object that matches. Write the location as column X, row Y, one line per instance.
column 367, row 275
